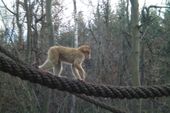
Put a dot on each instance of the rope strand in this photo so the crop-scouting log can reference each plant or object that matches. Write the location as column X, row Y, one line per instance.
column 79, row 87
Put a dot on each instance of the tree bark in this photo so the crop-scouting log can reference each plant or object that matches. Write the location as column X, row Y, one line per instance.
column 76, row 25
column 50, row 36
column 49, row 22
column 72, row 98
column 135, row 42
column 29, row 21
column 135, row 51
column 19, row 25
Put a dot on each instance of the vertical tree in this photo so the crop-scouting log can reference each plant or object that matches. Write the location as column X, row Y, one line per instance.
column 135, row 48
column 19, row 25
column 50, row 43
column 28, row 9
column 123, row 27
column 72, row 98
column 135, row 42
column 49, row 22
column 76, row 24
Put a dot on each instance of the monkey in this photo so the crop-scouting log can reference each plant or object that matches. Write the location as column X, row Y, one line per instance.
column 74, row 56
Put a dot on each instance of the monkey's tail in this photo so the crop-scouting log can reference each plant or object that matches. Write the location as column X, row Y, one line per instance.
column 46, row 65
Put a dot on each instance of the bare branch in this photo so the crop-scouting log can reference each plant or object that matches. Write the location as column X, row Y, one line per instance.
column 8, row 8
column 91, row 31
column 154, row 6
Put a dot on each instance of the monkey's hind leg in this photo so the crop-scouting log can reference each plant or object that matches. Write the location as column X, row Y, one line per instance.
column 57, row 69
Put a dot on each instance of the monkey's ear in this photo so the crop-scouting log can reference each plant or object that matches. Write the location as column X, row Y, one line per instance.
column 86, row 50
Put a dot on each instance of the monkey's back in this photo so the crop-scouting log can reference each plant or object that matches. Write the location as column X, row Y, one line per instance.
column 66, row 54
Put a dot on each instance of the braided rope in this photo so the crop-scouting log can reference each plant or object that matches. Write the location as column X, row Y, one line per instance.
column 80, row 87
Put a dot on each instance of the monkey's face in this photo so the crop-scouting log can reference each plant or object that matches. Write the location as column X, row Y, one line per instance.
column 86, row 50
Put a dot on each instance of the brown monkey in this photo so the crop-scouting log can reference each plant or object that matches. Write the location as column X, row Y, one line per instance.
column 74, row 56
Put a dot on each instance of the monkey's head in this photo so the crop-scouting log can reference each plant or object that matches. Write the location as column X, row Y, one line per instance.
column 86, row 50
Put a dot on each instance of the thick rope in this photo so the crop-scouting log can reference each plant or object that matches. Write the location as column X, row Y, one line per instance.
column 80, row 87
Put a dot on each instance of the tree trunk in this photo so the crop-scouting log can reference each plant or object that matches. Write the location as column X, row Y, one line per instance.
column 135, row 42
column 49, row 22
column 76, row 25
column 135, row 50
column 50, row 36
column 29, row 20
column 72, row 98
column 19, row 25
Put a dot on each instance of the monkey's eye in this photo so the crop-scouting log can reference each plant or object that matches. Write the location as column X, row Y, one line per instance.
column 86, row 52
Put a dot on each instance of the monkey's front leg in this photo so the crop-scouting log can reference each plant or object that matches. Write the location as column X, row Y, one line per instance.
column 81, row 71
column 76, row 73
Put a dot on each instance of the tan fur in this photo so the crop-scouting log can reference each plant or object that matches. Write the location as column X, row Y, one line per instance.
column 73, row 56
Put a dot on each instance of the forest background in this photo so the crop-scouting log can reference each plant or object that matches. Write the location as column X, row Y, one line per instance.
column 130, row 47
